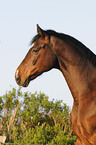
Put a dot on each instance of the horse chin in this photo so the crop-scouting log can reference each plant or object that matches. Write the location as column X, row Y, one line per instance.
column 26, row 83
column 30, row 78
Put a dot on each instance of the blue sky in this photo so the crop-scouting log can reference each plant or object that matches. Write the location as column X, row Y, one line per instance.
column 18, row 19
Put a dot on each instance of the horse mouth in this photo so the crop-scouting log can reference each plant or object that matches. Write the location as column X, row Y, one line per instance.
column 27, row 81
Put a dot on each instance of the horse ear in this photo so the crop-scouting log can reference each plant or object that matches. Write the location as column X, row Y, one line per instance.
column 40, row 31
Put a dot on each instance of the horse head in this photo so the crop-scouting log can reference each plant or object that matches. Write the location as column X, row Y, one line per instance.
column 40, row 58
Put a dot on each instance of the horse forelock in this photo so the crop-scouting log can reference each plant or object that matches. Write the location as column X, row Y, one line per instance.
column 36, row 37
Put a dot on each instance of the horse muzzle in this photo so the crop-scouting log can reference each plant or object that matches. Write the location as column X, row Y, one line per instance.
column 19, row 81
column 17, row 77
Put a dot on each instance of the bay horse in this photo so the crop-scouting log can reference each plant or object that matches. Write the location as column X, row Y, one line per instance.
column 78, row 64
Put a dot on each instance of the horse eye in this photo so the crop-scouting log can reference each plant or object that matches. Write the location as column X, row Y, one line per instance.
column 35, row 50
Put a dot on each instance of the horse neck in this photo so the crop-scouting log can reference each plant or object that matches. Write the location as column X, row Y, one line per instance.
column 74, row 67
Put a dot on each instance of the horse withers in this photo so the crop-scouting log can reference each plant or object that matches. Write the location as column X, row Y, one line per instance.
column 78, row 64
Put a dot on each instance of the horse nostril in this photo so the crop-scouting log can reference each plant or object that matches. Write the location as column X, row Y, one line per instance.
column 18, row 79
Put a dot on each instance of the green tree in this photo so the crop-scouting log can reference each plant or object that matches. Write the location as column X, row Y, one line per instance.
column 33, row 119
column 10, row 108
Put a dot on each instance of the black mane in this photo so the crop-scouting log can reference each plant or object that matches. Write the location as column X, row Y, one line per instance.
column 80, row 47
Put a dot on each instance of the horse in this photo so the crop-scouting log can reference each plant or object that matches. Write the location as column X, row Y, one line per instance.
column 50, row 49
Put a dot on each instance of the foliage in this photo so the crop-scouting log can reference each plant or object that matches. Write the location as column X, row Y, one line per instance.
column 32, row 119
